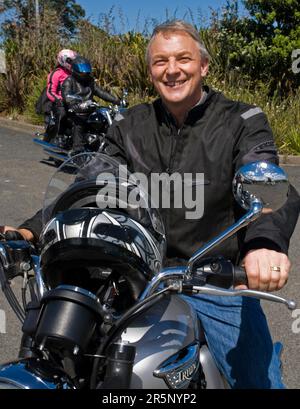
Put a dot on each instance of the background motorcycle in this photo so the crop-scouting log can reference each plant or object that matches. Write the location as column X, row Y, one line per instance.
column 96, row 120
column 117, row 320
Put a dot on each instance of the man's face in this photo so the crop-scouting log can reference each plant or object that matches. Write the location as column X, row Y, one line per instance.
column 176, row 69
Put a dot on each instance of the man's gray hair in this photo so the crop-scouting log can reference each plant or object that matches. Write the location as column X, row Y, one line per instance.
column 172, row 26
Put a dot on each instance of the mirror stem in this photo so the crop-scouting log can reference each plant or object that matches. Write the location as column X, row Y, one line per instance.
column 253, row 214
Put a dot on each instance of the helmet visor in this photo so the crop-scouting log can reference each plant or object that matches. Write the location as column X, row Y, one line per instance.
column 82, row 68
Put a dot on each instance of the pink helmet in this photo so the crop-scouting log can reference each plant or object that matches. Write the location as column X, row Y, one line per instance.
column 65, row 57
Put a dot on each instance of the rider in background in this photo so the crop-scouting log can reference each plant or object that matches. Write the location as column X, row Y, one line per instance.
column 78, row 91
column 54, row 86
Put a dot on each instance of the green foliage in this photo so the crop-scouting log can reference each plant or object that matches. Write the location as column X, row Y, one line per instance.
column 4, row 103
column 28, row 53
column 260, row 46
column 251, row 60
column 118, row 60
column 284, row 116
column 31, row 98
column 70, row 14
column 23, row 12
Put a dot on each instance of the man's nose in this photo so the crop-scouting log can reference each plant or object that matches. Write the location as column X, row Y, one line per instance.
column 172, row 67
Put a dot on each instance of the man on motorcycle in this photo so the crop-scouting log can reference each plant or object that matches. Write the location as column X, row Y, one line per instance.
column 193, row 129
column 54, row 87
column 78, row 91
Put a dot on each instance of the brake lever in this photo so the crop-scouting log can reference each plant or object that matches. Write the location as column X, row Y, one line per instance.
column 291, row 305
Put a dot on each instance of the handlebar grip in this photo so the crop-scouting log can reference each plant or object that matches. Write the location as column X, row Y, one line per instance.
column 239, row 276
column 13, row 235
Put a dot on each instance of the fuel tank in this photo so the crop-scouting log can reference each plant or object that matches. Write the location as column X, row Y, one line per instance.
column 166, row 338
column 169, row 349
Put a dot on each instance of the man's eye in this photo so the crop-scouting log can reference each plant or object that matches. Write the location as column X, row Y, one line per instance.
column 159, row 62
column 185, row 59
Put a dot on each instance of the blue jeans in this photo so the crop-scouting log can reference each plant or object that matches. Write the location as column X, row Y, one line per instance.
column 238, row 337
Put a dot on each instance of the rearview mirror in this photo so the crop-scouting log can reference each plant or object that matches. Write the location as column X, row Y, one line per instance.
column 259, row 187
column 261, row 181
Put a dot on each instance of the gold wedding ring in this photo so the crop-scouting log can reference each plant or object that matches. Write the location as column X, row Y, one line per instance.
column 275, row 268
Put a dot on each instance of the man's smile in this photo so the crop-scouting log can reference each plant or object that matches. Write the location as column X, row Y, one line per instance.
column 174, row 84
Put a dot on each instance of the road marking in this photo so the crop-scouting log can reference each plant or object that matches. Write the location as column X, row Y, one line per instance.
column 2, row 322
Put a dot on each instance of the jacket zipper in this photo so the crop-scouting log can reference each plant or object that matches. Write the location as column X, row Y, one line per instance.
column 173, row 145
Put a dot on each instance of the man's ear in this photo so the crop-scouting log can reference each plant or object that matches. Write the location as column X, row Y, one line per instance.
column 150, row 75
column 204, row 67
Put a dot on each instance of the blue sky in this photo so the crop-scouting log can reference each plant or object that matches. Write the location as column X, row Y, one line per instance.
column 134, row 12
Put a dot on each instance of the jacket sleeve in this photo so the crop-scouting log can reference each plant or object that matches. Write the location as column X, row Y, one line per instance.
column 34, row 224
column 114, row 145
column 106, row 96
column 66, row 90
column 53, row 85
column 255, row 142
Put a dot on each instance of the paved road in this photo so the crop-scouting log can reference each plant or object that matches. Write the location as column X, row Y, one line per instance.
column 23, row 178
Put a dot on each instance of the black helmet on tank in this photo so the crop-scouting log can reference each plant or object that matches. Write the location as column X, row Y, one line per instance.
column 96, row 215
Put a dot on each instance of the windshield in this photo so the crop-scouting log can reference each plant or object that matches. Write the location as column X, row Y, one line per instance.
column 97, row 180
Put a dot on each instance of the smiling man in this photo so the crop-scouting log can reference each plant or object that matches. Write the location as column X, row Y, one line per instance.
column 193, row 129
column 176, row 69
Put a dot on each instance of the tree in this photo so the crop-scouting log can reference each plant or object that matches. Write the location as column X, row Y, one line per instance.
column 274, row 15
column 22, row 12
column 69, row 11
column 261, row 44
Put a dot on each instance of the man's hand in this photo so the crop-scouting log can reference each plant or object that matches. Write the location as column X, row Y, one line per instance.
column 83, row 106
column 27, row 234
column 266, row 270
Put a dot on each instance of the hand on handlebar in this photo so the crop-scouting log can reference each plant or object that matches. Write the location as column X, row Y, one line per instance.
column 87, row 104
column 267, row 270
column 11, row 233
column 215, row 278
column 83, row 106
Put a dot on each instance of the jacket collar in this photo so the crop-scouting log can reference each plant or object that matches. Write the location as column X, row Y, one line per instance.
column 163, row 115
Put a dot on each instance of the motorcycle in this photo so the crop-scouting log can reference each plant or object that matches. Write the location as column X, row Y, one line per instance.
column 96, row 119
column 103, row 312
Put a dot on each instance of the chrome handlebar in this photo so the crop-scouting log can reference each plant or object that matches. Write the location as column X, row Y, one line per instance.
column 178, row 281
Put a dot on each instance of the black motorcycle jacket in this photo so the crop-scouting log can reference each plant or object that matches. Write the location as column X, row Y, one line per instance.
column 217, row 137
column 84, row 90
